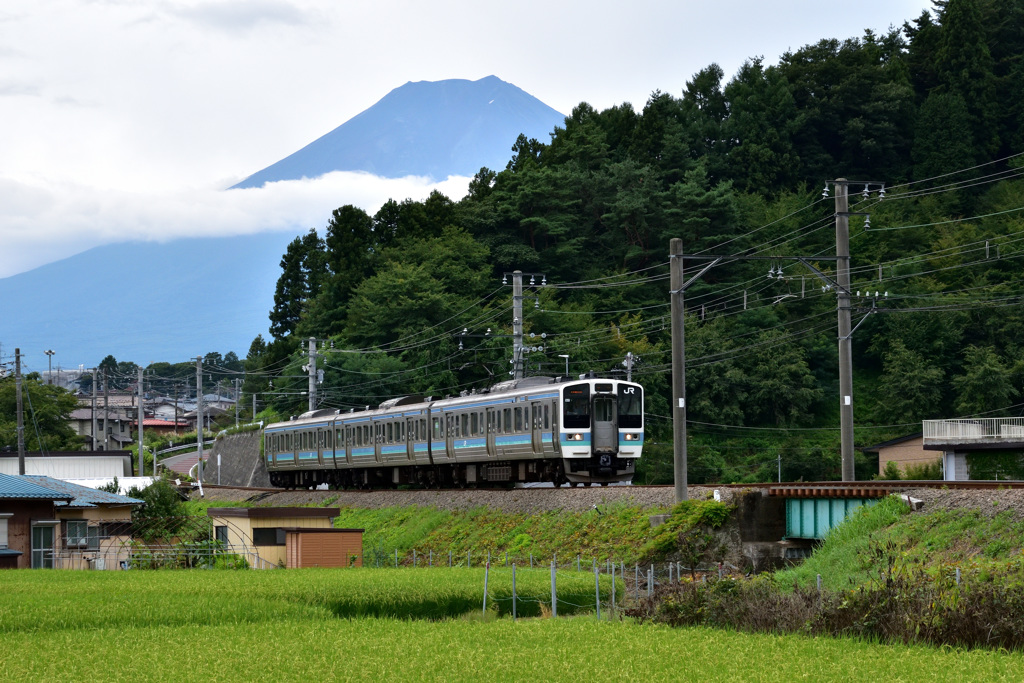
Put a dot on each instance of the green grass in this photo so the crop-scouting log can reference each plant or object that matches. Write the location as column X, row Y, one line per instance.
column 47, row 601
column 570, row 649
column 934, row 540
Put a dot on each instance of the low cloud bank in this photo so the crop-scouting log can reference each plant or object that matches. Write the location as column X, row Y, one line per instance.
column 44, row 223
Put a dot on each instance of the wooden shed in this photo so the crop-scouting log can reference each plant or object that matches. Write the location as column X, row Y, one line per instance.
column 324, row 548
column 262, row 532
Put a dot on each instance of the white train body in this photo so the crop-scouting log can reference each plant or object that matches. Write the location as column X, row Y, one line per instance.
column 539, row 429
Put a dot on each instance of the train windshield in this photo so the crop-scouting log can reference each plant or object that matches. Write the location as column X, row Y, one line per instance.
column 631, row 406
column 576, row 407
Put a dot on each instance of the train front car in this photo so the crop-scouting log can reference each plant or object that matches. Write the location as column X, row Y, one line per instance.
column 602, row 430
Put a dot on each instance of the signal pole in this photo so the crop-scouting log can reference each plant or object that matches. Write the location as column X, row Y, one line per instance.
column 517, row 324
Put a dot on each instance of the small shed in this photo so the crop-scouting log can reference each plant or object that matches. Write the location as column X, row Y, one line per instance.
column 264, row 530
column 324, row 548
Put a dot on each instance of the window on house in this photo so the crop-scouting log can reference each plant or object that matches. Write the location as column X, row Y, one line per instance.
column 221, row 534
column 268, row 536
column 3, row 532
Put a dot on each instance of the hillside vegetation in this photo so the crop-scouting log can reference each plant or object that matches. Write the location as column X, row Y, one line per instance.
column 731, row 165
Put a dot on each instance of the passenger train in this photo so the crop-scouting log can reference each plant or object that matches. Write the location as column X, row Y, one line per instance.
column 538, row 429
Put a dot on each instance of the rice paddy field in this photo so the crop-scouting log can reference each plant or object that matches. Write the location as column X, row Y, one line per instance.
column 402, row 624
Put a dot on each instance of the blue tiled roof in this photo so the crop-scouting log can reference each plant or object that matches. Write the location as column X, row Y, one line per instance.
column 22, row 488
column 82, row 496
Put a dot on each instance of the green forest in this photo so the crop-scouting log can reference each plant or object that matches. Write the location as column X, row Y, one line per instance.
column 417, row 298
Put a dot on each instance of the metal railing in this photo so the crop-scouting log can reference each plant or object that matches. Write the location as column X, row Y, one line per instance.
column 984, row 429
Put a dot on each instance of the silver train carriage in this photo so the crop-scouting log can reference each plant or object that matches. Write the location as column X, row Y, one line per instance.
column 538, row 429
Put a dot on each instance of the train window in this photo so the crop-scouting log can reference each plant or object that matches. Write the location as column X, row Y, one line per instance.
column 400, row 431
column 321, row 438
column 631, row 406
column 604, row 410
column 474, row 423
column 465, row 425
column 519, row 419
column 507, row 412
column 547, row 416
column 423, row 429
column 390, row 433
column 435, row 425
column 329, row 442
column 577, row 406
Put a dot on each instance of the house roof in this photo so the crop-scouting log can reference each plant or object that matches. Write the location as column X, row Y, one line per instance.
column 83, row 496
column 891, row 442
column 23, row 488
column 157, row 422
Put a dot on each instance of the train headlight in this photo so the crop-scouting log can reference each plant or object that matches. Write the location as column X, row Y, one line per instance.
column 630, row 437
column 576, row 437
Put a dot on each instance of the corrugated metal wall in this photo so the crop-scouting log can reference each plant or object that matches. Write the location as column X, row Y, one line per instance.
column 815, row 517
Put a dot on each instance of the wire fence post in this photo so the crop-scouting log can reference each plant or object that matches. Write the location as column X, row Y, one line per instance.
column 396, row 558
column 487, row 570
column 431, row 558
column 531, row 560
column 670, row 572
column 958, row 576
column 414, row 558
column 650, row 581
column 636, row 580
column 469, row 558
column 611, row 614
column 597, row 592
column 514, row 616
column 554, row 592
column 488, row 558
column 449, row 558
column 577, row 563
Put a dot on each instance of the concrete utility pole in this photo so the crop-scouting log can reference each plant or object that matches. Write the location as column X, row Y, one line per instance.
column 845, row 343
column 95, row 387
column 21, row 417
column 311, row 367
column 199, row 413
column 678, row 372
column 142, row 415
column 517, row 324
column 106, row 412
column 236, row 401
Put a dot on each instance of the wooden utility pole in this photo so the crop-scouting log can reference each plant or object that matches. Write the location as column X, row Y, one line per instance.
column 21, row 417
column 678, row 372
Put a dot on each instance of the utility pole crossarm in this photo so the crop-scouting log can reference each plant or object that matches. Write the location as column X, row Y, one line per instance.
column 696, row 277
column 824, row 278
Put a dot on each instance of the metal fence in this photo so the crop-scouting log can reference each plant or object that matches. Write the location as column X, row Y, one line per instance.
column 975, row 430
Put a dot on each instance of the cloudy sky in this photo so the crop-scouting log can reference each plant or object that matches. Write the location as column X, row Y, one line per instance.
column 125, row 119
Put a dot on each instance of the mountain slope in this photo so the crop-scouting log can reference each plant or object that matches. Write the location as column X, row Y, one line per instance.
column 144, row 301
column 434, row 129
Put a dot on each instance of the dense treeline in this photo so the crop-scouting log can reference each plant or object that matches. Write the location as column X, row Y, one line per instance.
column 933, row 110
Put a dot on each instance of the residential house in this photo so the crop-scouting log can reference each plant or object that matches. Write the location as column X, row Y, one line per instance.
column 28, row 523
column 94, row 526
column 114, row 427
column 70, row 464
column 906, row 451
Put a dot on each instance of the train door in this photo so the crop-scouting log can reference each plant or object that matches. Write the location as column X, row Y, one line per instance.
column 450, row 422
column 350, row 439
column 605, row 432
column 320, row 445
column 377, row 434
column 410, row 437
column 492, row 428
column 536, row 427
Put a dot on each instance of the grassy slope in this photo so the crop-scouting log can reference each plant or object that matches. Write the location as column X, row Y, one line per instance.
column 937, row 541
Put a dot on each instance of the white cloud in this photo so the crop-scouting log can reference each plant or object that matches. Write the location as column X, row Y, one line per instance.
column 40, row 223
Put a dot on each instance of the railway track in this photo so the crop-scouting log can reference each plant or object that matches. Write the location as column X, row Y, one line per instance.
column 877, row 485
